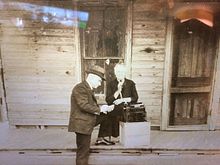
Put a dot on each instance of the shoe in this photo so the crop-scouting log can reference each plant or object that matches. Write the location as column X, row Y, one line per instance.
column 113, row 143
column 104, row 142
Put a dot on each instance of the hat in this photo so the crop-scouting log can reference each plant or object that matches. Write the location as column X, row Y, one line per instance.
column 97, row 70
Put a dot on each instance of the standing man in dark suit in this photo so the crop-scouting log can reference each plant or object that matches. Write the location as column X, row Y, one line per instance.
column 85, row 113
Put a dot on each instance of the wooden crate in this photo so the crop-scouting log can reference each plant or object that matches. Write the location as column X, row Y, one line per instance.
column 134, row 134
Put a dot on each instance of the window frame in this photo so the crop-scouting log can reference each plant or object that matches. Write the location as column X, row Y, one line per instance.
column 126, row 55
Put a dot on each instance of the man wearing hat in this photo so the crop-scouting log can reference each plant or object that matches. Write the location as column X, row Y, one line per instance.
column 85, row 113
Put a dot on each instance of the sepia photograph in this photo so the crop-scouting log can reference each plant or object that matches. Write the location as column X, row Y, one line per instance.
column 109, row 82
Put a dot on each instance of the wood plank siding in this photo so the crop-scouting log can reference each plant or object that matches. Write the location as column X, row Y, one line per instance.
column 39, row 64
column 148, row 50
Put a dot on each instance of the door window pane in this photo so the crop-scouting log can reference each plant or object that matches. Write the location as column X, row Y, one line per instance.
column 102, row 41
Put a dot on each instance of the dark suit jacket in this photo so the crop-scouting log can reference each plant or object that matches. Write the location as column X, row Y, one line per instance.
column 84, row 109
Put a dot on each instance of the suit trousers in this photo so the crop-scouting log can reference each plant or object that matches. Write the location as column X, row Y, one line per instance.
column 83, row 143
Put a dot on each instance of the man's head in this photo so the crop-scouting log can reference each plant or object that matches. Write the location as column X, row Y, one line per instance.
column 95, row 76
column 94, row 80
column 120, row 71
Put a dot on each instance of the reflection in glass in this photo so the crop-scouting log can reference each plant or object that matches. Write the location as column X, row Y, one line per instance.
column 48, row 14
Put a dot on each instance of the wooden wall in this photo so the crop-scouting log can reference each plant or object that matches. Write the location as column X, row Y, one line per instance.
column 148, row 51
column 39, row 64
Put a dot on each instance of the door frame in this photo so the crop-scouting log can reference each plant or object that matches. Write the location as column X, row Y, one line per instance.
column 167, row 87
column 214, row 114
column 3, row 102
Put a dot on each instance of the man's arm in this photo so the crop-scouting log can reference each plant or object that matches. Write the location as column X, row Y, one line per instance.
column 81, row 95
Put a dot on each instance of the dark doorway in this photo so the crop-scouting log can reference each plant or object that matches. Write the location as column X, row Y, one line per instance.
column 194, row 51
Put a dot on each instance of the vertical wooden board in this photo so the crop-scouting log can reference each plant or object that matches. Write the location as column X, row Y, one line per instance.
column 3, row 108
column 215, row 113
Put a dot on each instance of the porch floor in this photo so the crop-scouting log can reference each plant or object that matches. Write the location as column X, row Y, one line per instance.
column 12, row 139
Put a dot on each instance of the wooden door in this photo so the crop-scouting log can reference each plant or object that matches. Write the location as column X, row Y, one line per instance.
column 192, row 73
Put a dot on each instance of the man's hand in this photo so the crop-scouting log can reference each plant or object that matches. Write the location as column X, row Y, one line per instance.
column 107, row 108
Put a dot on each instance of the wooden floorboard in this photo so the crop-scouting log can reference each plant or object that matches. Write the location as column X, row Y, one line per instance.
column 59, row 140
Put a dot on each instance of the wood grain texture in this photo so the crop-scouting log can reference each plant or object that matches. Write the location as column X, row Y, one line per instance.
column 39, row 62
column 148, row 52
